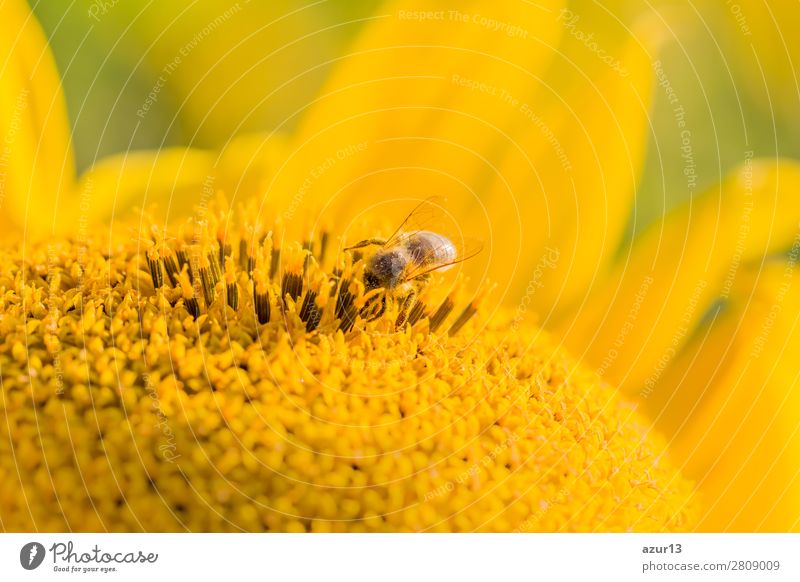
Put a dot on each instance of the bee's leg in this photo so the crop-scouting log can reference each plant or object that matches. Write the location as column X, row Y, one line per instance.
column 405, row 307
column 366, row 243
column 374, row 307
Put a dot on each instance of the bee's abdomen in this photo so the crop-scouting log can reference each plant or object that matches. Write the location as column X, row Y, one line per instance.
column 427, row 248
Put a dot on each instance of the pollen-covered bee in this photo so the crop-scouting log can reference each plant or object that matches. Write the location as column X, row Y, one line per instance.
column 408, row 257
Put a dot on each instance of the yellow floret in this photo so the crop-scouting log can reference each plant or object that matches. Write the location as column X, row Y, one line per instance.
column 155, row 408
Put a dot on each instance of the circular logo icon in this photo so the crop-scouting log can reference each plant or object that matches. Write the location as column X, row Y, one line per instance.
column 31, row 555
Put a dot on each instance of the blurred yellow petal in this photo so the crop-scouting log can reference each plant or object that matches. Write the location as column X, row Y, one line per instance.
column 248, row 163
column 36, row 162
column 567, row 187
column 730, row 402
column 173, row 180
column 538, row 155
column 633, row 326
column 418, row 105
column 536, row 115
column 176, row 181
column 764, row 39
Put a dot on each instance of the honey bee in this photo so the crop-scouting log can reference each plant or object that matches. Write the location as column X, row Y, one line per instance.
column 408, row 257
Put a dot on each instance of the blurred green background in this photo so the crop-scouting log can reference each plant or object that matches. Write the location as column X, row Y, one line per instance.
column 730, row 68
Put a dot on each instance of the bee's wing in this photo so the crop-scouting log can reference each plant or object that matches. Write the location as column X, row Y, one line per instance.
column 429, row 214
column 466, row 248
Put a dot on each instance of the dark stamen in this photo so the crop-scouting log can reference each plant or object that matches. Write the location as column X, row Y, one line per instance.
column 192, row 306
column 441, row 314
column 183, row 259
column 323, row 246
column 295, row 276
column 275, row 260
column 308, row 246
column 465, row 316
column 417, row 311
column 251, row 265
column 206, row 280
column 345, row 307
column 189, row 300
column 215, row 270
column 172, row 269
column 261, row 304
column 244, row 256
column 224, row 251
column 309, row 312
column 292, row 285
column 233, row 295
column 156, row 274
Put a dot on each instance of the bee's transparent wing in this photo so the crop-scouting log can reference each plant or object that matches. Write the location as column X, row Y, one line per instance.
column 465, row 248
column 430, row 215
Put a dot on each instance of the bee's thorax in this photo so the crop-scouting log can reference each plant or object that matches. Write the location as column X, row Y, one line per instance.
column 385, row 268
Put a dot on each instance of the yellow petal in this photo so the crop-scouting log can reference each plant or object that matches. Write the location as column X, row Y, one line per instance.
column 764, row 41
column 176, row 181
column 634, row 325
column 36, row 160
column 249, row 162
column 730, row 404
column 565, row 190
column 417, row 106
column 172, row 181
column 530, row 161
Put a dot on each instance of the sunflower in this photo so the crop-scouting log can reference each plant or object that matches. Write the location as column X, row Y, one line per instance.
column 220, row 374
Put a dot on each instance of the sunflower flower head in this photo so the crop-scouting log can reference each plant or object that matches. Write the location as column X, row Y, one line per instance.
column 227, row 379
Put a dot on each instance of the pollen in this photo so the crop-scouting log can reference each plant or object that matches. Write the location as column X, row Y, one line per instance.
column 200, row 383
